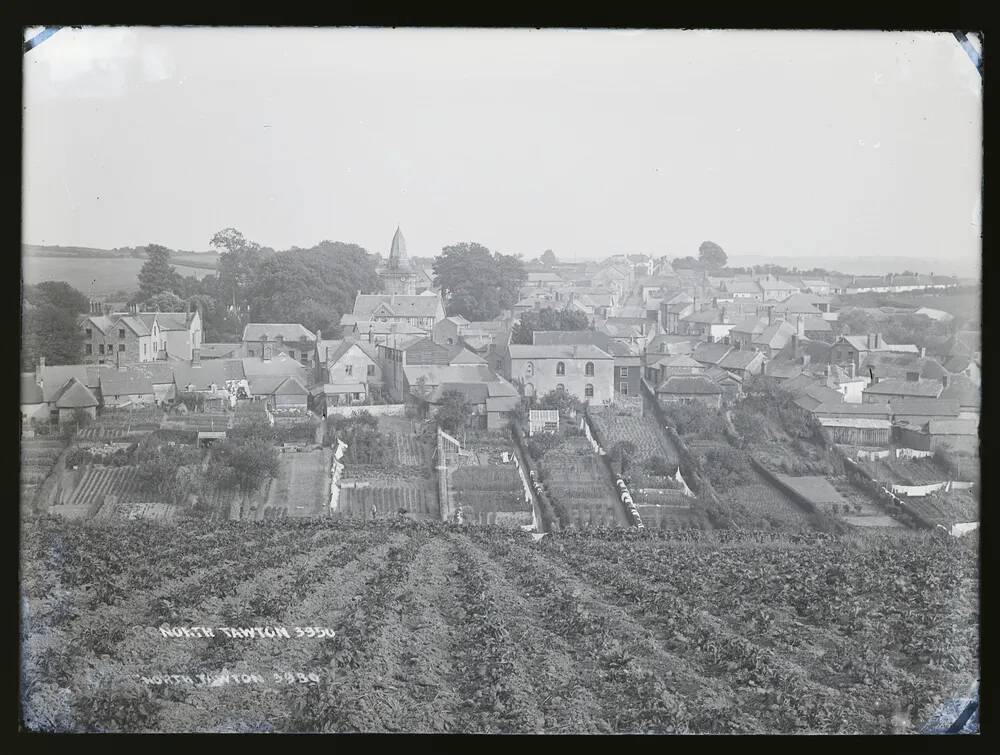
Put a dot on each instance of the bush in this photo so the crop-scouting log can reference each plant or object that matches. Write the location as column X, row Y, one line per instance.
column 659, row 466
column 541, row 443
column 695, row 419
column 727, row 467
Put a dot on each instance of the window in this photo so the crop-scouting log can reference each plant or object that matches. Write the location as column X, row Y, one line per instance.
column 88, row 349
column 89, row 332
column 100, row 349
column 121, row 347
column 623, row 388
column 560, row 387
column 121, row 332
column 589, row 369
column 143, row 345
column 349, row 369
column 529, row 369
column 499, row 365
column 451, row 341
column 588, row 392
column 371, row 370
column 624, row 372
column 252, row 353
column 560, row 368
column 291, row 353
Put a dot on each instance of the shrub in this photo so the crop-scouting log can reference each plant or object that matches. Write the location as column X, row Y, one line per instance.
column 541, row 443
column 727, row 467
column 658, row 465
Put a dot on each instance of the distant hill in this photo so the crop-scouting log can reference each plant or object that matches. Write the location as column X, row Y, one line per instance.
column 862, row 265
column 205, row 260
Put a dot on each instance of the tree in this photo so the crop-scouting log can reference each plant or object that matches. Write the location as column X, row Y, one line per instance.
column 50, row 332
column 547, row 319
column 711, row 255
column 314, row 287
column 476, row 283
column 854, row 321
column 238, row 265
column 157, row 274
column 166, row 301
column 562, row 401
column 58, row 294
column 453, row 411
column 687, row 263
column 548, row 257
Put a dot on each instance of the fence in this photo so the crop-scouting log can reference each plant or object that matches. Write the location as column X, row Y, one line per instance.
column 550, row 521
column 585, row 426
column 376, row 410
column 918, row 491
column 911, row 453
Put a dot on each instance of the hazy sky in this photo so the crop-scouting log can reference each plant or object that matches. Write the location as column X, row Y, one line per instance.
column 585, row 142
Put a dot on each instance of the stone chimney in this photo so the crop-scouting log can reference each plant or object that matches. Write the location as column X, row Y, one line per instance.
column 923, row 352
column 800, row 326
column 871, row 341
column 319, row 335
column 770, row 316
column 133, row 308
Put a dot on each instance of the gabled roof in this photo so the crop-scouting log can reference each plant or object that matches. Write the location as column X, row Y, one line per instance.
column 963, row 390
column 474, row 393
column 740, row 359
column 817, row 325
column 595, row 337
column 436, row 374
column 204, row 374
column 174, row 320
column 31, row 393
column 276, row 385
column 742, row 287
column 55, row 377
column 134, row 323
column 775, row 336
column 711, row 353
column 776, row 284
column 398, row 305
column 681, row 361
column 912, row 388
column 75, row 395
column 842, row 409
column 782, row 369
column 689, row 385
column 705, row 316
column 289, row 331
column 344, row 346
column 281, row 364
column 720, row 376
column 127, row 382
column 671, row 344
column 750, row 326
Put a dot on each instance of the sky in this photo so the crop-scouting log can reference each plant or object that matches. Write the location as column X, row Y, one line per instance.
column 589, row 143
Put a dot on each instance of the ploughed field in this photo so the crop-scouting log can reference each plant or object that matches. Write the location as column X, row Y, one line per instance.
column 443, row 627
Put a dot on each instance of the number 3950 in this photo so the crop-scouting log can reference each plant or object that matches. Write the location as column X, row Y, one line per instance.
column 314, row 632
column 291, row 678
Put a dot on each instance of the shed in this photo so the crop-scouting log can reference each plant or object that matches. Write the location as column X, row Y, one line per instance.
column 543, row 420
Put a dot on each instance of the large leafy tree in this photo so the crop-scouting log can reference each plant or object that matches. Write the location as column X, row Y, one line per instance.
column 548, row 257
column 59, row 294
column 711, row 255
column 477, row 283
column 50, row 332
column 166, row 301
column 314, row 287
column 157, row 274
column 239, row 264
column 453, row 411
column 547, row 319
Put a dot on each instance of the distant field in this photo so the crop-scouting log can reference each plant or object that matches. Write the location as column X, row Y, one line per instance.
column 93, row 276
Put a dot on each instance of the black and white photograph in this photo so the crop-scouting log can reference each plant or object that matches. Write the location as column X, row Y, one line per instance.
column 500, row 380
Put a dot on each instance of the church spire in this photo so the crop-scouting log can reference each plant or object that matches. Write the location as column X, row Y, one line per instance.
column 397, row 253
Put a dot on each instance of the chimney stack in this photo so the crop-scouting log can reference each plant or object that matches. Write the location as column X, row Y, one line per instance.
column 871, row 341
column 923, row 352
column 800, row 326
column 370, row 334
column 263, row 346
column 39, row 370
column 851, row 370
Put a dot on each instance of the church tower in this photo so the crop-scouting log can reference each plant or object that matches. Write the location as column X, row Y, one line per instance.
column 399, row 276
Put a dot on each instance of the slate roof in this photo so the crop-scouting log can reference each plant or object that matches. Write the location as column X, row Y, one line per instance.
column 203, row 375
column 705, row 317
column 595, row 337
column 750, row 326
column 279, row 365
column 557, row 351
column 276, row 385
column 689, row 385
column 174, row 320
column 782, row 369
column 440, row 373
column 681, row 361
column 127, row 382
column 711, row 353
column 775, row 336
column 912, row 388
column 742, row 287
column 876, row 411
column 814, row 488
column 55, row 377
column 346, row 345
column 672, row 345
column 289, row 331
column 739, row 359
column 400, row 305
column 474, row 393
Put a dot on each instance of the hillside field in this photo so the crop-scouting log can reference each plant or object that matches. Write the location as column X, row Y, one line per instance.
column 97, row 276
column 442, row 627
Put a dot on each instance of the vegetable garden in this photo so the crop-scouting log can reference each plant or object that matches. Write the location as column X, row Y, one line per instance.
column 447, row 628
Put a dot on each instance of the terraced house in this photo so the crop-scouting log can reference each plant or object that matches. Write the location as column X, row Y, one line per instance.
column 139, row 336
column 287, row 338
column 422, row 311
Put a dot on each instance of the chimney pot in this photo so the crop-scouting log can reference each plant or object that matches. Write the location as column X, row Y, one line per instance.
column 923, row 352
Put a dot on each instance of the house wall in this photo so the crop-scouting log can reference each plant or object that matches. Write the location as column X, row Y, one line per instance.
column 843, row 353
column 444, row 330
column 630, row 376
column 968, row 444
column 164, row 392
column 860, row 436
column 718, row 331
column 39, row 411
column 290, row 402
column 544, row 379
column 853, row 391
column 912, row 438
column 358, row 362
column 137, row 348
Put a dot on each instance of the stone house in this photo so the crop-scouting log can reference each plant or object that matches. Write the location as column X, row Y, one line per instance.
column 690, row 389
column 292, row 339
column 421, row 311
column 582, row 370
column 628, row 362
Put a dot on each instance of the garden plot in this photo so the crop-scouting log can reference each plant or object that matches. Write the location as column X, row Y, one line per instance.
column 490, row 494
column 862, row 511
column 946, row 509
column 417, row 498
column 38, row 456
column 643, row 432
column 91, row 485
column 303, row 484
column 118, row 511
column 580, row 485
